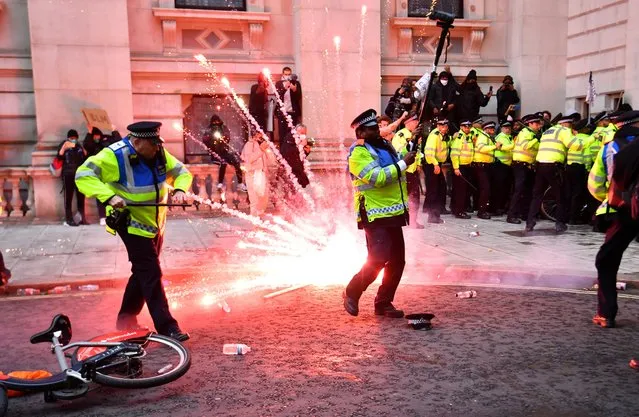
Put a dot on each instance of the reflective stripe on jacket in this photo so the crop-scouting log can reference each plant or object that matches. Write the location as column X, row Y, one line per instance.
column 526, row 146
column 505, row 154
column 484, row 149
column 555, row 143
column 399, row 142
column 117, row 170
column 376, row 177
column 461, row 150
column 436, row 149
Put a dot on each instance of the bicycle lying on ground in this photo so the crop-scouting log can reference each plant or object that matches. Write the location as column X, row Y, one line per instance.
column 125, row 359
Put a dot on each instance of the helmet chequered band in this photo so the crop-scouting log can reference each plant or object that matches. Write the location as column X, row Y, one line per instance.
column 143, row 135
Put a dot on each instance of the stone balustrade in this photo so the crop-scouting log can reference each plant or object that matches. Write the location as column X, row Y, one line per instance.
column 17, row 193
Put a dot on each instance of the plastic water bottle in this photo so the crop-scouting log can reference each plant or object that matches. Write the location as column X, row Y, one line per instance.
column 59, row 289
column 466, row 294
column 235, row 349
column 90, row 287
column 28, row 291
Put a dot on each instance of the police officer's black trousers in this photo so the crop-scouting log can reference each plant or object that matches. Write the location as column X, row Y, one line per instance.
column 524, row 178
column 385, row 250
column 145, row 283
column 435, row 183
column 412, row 185
column 502, row 182
column 622, row 231
column 575, row 191
column 483, row 174
column 69, row 190
column 458, row 200
column 548, row 174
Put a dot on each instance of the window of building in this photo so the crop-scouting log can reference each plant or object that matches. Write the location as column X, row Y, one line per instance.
column 196, row 123
column 211, row 4
column 420, row 8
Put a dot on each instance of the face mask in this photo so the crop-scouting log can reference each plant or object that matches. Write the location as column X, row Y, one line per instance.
column 444, row 82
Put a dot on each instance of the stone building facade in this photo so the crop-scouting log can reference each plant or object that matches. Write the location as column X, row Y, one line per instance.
column 135, row 59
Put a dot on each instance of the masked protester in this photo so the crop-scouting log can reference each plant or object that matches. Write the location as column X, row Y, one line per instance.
column 470, row 98
column 217, row 139
column 72, row 155
column 506, row 97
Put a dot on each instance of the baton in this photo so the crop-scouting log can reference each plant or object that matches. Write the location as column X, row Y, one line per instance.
column 467, row 182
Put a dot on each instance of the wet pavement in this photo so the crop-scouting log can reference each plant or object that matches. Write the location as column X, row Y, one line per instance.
column 508, row 352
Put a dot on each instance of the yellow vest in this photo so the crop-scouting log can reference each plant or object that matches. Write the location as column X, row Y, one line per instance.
column 526, row 146
column 399, row 142
column 484, row 149
column 436, row 149
column 461, row 149
column 505, row 154
column 555, row 143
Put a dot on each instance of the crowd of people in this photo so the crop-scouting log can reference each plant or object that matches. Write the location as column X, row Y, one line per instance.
column 494, row 169
column 71, row 154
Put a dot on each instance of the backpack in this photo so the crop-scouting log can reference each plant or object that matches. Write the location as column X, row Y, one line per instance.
column 55, row 167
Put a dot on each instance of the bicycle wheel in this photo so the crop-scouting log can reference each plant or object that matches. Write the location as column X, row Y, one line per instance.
column 549, row 205
column 163, row 360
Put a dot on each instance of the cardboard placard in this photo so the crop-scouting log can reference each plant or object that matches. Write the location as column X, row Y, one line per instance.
column 98, row 118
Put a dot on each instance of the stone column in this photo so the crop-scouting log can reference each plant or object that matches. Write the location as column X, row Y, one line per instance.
column 536, row 53
column 337, row 86
column 81, row 58
column 632, row 58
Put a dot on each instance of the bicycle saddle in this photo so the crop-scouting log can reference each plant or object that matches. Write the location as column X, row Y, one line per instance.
column 60, row 323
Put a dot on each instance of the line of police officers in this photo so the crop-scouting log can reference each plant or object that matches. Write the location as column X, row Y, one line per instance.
column 505, row 174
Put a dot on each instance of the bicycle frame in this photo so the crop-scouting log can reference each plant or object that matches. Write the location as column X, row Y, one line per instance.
column 90, row 353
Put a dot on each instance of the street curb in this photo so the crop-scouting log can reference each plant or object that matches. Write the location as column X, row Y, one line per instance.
column 428, row 274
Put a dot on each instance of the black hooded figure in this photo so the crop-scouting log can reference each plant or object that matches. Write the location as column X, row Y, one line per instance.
column 217, row 140
column 470, row 98
column 94, row 141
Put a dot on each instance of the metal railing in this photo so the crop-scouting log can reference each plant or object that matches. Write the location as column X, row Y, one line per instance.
column 17, row 193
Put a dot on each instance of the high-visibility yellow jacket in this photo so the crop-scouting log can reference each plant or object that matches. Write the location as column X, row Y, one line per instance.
column 526, row 146
column 380, row 189
column 399, row 142
column 590, row 155
column 555, row 143
column 505, row 154
column 609, row 133
column 484, row 149
column 461, row 150
column 436, row 149
column 580, row 156
column 117, row 170
column 600, row 176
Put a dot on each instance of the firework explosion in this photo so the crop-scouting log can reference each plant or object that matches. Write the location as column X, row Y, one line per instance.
column 315, row 242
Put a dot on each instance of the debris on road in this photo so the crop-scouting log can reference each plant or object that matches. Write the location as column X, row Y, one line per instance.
column 466, row 294
column 235, row 349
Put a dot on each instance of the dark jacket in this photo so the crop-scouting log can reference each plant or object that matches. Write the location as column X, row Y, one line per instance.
column 469, row 101
column 257, row 105
column 93, row 148
column 504, row 99
column 71, row 159
column 442, row 93
column 296, row 96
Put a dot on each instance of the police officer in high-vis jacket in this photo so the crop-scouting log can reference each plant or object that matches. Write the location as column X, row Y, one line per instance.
column 381, row 206
column 138, row 169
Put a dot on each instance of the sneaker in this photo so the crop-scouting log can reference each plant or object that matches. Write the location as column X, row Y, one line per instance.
column 603, row 321
column 241, row 188
column 220, row 186
column 102, row 221
column 70, row 223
